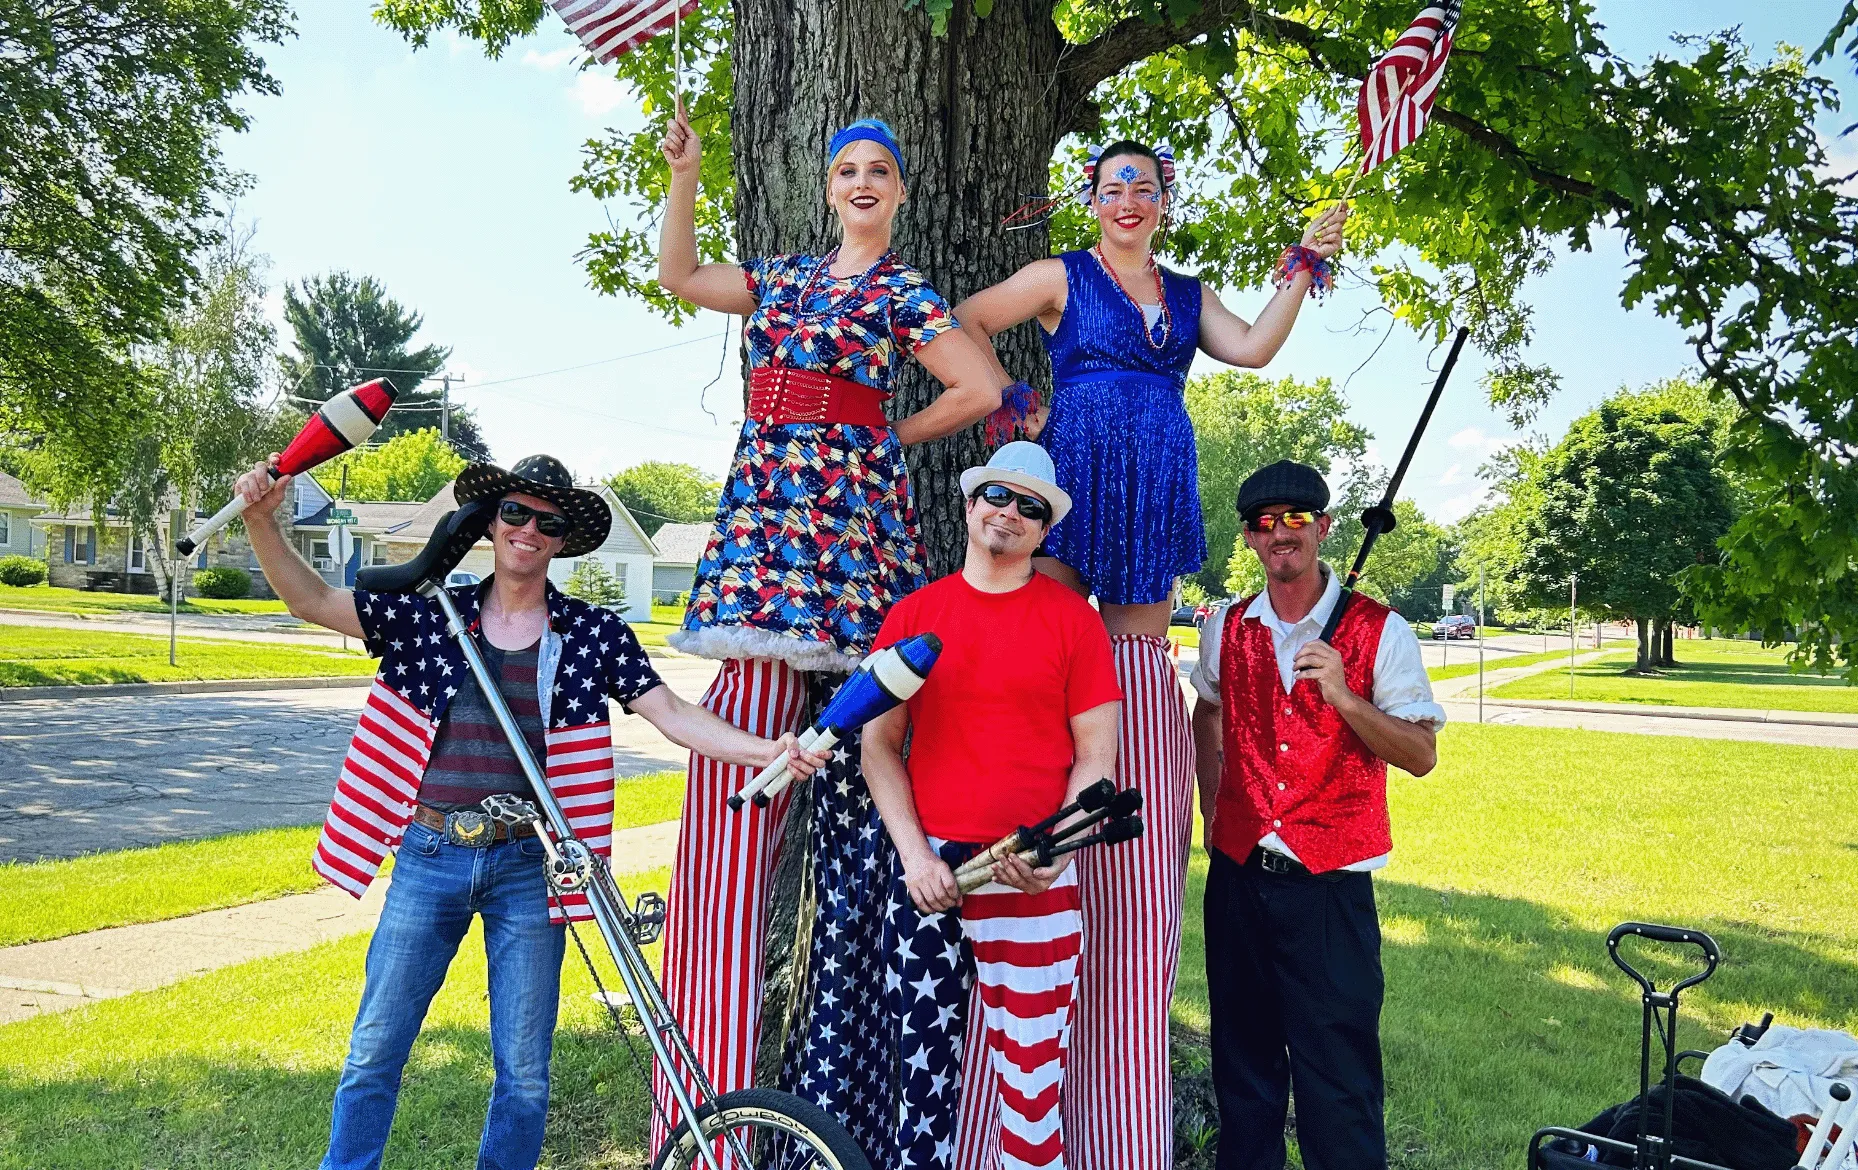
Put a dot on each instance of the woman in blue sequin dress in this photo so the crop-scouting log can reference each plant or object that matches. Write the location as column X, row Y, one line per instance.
column 1122, row 331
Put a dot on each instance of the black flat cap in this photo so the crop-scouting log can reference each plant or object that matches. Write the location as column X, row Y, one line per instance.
column 1284, row 482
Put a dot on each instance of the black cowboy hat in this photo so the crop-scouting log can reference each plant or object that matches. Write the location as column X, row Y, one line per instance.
column 542, row 476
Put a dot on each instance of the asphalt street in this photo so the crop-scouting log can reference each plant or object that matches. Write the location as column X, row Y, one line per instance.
column 87, row 774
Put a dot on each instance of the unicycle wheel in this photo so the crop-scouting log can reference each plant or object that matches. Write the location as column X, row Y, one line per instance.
column 779, row 1130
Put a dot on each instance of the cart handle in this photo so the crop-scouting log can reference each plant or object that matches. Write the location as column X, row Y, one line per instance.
column 1712, row 955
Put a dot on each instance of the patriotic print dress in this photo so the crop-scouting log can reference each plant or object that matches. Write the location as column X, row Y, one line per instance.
column 815, row 533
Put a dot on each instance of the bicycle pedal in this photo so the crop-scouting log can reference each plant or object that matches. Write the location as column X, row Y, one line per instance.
column 648, row 917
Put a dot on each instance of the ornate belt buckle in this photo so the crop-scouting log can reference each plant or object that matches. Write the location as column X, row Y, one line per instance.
column 470, row 828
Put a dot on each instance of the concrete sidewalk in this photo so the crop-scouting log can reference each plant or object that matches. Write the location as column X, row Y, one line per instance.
column 70, row 972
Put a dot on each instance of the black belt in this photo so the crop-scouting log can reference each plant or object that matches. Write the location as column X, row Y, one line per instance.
column 469, row 827
column 1271, row 861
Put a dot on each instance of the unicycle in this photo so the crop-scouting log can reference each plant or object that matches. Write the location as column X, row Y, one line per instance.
column 760, row 1128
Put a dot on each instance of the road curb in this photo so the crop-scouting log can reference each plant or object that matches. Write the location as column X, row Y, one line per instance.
column 201, row 687
column 1712, row 714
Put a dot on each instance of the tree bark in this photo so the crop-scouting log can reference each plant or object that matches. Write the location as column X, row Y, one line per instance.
column 974, row 113
column 1647, row 655
column 1667, row 649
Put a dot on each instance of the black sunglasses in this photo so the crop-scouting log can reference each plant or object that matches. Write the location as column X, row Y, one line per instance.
column 516, row 514
column 998, row 495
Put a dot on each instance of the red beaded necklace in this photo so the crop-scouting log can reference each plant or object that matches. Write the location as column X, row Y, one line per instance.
column 1157, row 335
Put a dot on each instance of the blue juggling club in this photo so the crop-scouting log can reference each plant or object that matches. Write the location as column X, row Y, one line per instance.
column 881, row 681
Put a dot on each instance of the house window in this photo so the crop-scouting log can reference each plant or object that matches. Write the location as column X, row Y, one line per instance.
column 138, row 555
column 619, row 573
column 377, row 552
column 80, row 544
column 320, row 559
column 6, row 528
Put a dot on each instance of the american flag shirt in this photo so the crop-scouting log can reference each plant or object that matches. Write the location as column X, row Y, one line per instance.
column 587, row 656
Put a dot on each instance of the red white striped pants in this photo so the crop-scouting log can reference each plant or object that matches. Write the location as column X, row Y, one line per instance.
column 716, row 924
column 1118, row 1102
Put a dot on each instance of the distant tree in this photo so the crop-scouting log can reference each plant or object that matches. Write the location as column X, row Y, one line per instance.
column 111, row 113
column 1627, row 501
column 1242, row 422
column 410, row 466
column 658, row 493
column 591, row 582
column 347, row 330
column 1411, row 565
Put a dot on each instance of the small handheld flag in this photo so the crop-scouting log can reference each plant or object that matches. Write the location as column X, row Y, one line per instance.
column 341, row 424
column 612, row 28
column 1397, row 94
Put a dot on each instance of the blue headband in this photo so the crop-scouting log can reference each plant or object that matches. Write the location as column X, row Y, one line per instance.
column 869, row 130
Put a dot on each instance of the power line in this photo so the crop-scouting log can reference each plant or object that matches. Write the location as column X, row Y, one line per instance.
column 602, row 362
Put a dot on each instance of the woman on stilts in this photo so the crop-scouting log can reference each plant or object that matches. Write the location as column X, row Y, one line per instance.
column 1122, row 331
column 815, row 538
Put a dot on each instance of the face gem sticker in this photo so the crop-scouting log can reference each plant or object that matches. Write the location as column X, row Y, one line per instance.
column 1152, row 196
column 1105, row 198
column 1128, row 173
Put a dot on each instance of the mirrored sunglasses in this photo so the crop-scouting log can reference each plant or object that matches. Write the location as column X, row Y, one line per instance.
column 998, row 495
column 1266, row 521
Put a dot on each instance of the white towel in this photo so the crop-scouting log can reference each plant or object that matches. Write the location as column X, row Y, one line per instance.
column 1789, row 1070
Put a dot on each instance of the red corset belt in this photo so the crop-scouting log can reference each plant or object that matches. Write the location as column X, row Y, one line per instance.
column 780, row 395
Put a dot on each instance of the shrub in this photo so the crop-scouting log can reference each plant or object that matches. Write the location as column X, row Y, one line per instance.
column 223, row 582
column 591, row 582
column 22, row 571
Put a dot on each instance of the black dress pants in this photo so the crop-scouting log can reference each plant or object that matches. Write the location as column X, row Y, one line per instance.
column 1293, row 972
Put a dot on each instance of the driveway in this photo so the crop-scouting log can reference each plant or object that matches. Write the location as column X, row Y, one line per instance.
column 87, row 774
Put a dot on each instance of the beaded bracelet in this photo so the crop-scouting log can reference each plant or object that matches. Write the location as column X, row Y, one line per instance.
column 1017, row 402
column 1298, row 258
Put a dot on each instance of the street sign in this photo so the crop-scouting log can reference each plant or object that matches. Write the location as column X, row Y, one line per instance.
column 339, row 517
column 1449, row 590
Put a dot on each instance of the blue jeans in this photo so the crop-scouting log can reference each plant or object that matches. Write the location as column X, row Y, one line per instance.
column 436, row 889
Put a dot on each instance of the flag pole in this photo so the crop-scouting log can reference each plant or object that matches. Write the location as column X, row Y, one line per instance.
column 677, row 49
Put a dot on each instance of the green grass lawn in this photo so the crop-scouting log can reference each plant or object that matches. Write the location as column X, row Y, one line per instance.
column 1503, row 1013
column 47, row 597
column 51, row 899
column 1511, row 862
column 44, row 656
column 1504, row 662
column 1713, row 673
column 237, row 1069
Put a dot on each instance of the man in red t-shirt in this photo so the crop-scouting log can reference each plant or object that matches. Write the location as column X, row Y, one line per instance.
column 1018, row 716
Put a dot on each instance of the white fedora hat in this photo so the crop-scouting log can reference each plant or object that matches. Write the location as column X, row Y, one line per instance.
column 1024, row 465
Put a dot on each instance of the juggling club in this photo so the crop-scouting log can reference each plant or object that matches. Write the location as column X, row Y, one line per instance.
column 1041, row 837
column 343, row 423
column 1092, row 798
column 1114, row 833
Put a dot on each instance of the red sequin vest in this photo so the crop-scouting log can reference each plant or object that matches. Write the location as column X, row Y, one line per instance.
column 1293, row 765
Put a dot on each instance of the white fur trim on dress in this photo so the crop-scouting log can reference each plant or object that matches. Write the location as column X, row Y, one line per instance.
column 723, row 642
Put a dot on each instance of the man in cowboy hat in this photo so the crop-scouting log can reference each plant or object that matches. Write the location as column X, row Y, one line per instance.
column 1019, row 716
column 428, row 750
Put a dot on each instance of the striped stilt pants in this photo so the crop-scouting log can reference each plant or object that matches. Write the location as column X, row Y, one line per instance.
column 716, row 924
column 1015, row 954
column 1119, row 1094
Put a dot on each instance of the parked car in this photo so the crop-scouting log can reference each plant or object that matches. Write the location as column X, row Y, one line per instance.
column 1185, row 615
column 1455, row 625
column 459, row 577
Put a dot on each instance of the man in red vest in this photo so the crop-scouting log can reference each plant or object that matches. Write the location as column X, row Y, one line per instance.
column 1292, row 741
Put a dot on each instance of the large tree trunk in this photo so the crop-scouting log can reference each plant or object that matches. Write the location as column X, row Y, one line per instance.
column 974, row 116
column 1647, row 651
column 1666, row 647
column 977, row 129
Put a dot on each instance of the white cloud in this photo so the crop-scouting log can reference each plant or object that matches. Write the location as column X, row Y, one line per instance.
column 1455, row 474
column 1841, row 159
column 1474, row 439
column 1458, row 507
column 549, row 62
column 599, row 94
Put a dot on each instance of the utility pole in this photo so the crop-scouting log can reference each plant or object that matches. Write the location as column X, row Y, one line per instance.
column 1572, row 577
column 1480, row 643
column 445, row 405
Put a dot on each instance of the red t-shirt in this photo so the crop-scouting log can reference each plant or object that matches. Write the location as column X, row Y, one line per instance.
column 991, row 747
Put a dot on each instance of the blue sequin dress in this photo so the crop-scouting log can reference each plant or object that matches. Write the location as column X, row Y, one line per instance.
column 1120, row 437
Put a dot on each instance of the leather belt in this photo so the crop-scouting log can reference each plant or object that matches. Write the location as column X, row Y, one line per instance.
column 469, row 827
column 777, row 394
column 1271, row 861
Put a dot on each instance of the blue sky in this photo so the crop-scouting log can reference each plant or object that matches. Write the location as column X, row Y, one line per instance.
column 445, row 175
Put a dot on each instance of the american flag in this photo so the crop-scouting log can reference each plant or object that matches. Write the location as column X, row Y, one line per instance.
column 1396, row 97
column 610, row 28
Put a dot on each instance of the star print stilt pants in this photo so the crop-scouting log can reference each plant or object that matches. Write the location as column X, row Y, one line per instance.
column 1022, row 950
